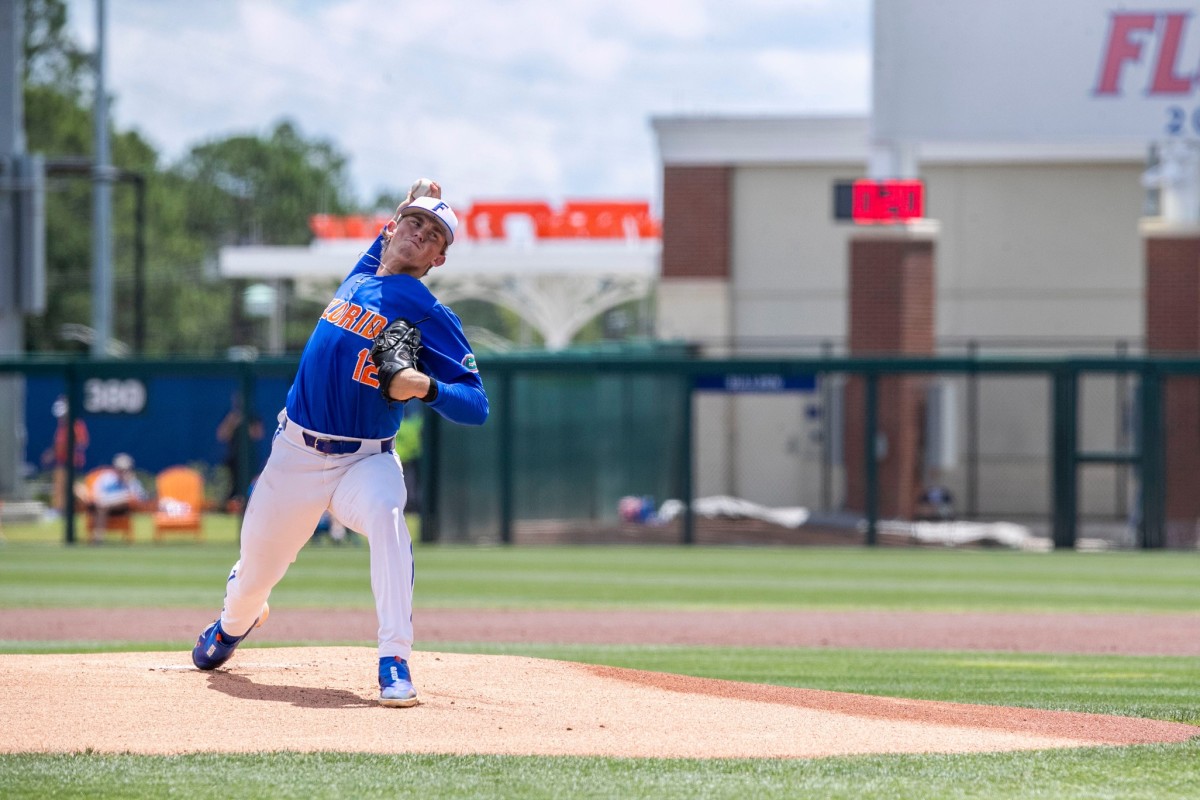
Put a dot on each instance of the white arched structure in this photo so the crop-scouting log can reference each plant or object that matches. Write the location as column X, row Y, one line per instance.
column 556, row 286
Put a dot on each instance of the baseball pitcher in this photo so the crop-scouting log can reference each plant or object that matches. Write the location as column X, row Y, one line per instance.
column 384, row 341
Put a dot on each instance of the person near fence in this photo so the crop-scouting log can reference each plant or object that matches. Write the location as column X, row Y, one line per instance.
column 334, row 447
column 227, row 434
column 56, row 454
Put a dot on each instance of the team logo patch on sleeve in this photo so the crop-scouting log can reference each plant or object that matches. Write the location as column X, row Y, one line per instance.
column 469, row 362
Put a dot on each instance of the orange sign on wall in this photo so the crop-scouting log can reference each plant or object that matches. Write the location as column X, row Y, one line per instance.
column 490, row 220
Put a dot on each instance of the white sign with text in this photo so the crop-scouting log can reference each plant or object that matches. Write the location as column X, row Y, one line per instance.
column 1033, row 71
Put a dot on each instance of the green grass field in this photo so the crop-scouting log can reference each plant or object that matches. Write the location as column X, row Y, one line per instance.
column 36, row 571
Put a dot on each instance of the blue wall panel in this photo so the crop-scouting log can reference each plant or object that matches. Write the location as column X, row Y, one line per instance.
column 177, row 424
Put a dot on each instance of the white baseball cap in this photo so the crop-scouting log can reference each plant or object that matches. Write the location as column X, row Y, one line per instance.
column 436, row 208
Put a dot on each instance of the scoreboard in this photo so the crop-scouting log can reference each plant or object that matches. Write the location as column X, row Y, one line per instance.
column 867, row 202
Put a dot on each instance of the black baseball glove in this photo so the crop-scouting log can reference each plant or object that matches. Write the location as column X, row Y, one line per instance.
column 394, row 350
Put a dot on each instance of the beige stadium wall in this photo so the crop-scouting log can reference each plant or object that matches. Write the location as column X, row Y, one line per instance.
column 1038, row 251
column 1041, row 259
column 1044, row 254
column 787, row 295
column 789, row 271
column 694, row 309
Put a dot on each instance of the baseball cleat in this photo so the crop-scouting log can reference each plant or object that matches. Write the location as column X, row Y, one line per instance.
column 214, row 646
column 395, row 683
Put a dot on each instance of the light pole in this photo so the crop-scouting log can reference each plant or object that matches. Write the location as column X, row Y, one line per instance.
column 102, row 180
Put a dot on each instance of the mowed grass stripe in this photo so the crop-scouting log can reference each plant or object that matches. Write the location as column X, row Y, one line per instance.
column 1151, row 772
column 626, row 577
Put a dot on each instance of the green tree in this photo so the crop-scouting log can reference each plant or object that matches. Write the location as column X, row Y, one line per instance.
column 251, row 190
column 52, row 58
column 58, row 96
column 182, row 311
column 235, row 190
column 262, row 190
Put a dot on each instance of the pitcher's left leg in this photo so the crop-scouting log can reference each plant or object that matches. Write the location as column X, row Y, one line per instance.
column 371, row 500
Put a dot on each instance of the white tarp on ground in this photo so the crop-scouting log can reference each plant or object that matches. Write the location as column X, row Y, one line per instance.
column 950, row 532
column 721, row 506
column 957, row 532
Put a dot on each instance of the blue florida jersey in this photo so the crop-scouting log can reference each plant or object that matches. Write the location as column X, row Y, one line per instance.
column 336, row 390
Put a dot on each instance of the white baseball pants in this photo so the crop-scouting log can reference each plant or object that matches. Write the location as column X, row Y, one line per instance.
column 364, row 491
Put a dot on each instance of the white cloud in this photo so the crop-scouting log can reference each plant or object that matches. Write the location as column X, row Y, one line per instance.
column 529, row 98
column 824, row 81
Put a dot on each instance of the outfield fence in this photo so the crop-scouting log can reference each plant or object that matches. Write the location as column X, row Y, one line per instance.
column 604, row 446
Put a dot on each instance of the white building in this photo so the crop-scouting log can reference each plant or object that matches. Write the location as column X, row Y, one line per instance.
column 1036, row 129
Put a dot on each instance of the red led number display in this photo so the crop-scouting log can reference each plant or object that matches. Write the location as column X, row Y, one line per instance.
column 887, row 201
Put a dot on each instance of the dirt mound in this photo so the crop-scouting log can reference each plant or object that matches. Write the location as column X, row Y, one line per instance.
column 323, row 698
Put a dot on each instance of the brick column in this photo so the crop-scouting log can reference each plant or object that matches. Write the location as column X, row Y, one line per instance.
column 1172, row 256
column 696, row 220
column 892, row 297
column 693, row 294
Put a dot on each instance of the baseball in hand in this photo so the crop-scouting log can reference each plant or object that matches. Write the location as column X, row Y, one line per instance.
column 421, row 187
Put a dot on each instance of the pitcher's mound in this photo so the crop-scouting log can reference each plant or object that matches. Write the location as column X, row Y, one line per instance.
column 323, row 698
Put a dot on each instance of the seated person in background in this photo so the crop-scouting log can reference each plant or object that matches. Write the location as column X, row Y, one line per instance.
column 116, row 492
column 935, row 504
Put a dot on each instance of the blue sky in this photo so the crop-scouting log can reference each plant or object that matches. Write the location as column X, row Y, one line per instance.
column 531, row 99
